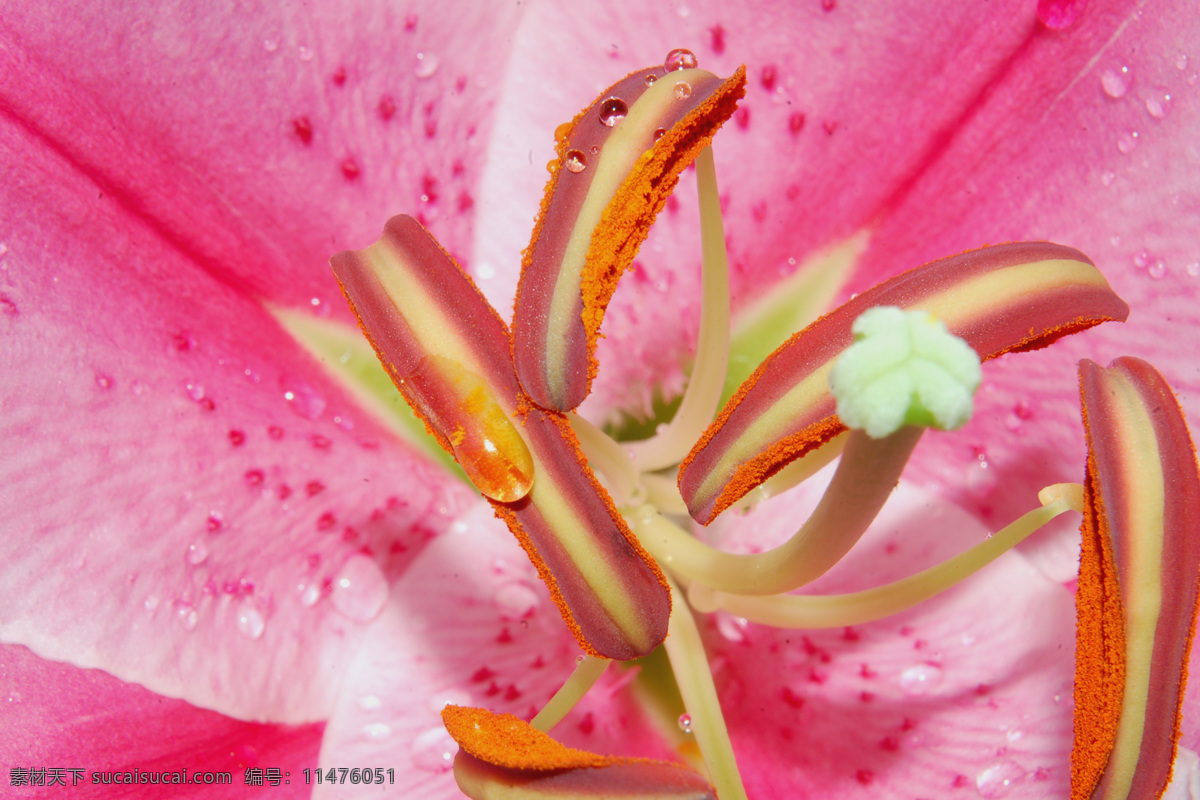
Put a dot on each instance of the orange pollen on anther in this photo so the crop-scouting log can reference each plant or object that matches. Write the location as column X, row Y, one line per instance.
column 504, row 740
column 1099, row 649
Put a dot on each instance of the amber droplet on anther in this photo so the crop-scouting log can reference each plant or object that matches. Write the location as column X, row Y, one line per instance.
column 486, row 444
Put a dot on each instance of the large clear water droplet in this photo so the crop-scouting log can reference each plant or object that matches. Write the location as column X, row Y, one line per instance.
column 433, row 750
column 999, row 778
column 921, row 679
column 680, row 58
column 612, row 111
column 359, row 590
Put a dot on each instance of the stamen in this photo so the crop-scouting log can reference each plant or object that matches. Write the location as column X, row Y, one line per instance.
column 505, row 758
column 869, row 471
column 703, row 392
column 450, row 354
column 608, row 458
column 694, row 678
column 1139, row 582
column 856, row 608
column 999, row 299
column 599, row 205
column 586, row 673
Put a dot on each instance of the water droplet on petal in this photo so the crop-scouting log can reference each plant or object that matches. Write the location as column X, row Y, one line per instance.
column 250, row 621
column 683, row 90
column 1157, row 269
column 271, row 43
column 1158, row 104
column 360, row 590
column 685, row 723
column 433, row 750
column 186, row 615
column 1114, row 82
column 731, row 627
column 427, row 65
column 1181, row 61
column 376, row 731
column 306, row 53
column 195, row 391
column 678, row 59
column 1193, row 269
column 1059, row 14
column 370, row 702
column 1107, row 178
column 302, row 397
column 515, row 600
column 920, row 680
column 999, row 778
column 612, row 111
column 150, row 604
column 310, row 593
column 1128, row 142
column 197, row 553
column 576, row 161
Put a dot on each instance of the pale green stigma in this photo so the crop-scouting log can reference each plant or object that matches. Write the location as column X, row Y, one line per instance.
column 904, row 368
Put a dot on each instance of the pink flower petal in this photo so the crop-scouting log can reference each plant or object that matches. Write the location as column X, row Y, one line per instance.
column 258, row 143
column 963, row 693
column 493, row 638
column 185, row 493
column 59, row 716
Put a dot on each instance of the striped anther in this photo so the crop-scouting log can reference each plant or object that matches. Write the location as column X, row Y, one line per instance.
column 504, row 758
column 617, row 162
column 449, row 353
column 1138, row 583
column 999, row 299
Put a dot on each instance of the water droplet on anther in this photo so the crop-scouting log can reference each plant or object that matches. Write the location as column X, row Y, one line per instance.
column 360, row 590
column 999, row 778
column 576, row 161
column 659, row 133
column 920, row 680
column 612, row 111
column 250, row 621
column 683, row 90
column 1115, row 83
column 678, row 59
column 685, row 723
column 433, row 750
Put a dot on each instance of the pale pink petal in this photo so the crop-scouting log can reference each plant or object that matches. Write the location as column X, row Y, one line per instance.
column 170, row 515
column 59, row 716
column 961, row 694
column 491, row 638
column 260, row 140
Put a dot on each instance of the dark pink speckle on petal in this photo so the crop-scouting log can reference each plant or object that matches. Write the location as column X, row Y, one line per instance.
column 350, row 169
column 1059, row 14
column 387, row 107
column 717, row 39
column 302, row 129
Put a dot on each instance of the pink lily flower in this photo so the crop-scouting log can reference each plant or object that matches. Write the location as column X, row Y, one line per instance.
column 215, row 559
